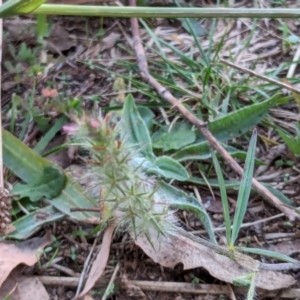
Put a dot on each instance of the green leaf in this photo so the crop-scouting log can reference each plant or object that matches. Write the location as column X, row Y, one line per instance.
column 169, row 168
column 284, row 199
column 42, row 123
column 224, row 199
column 251, row 290
column 16, row 7
column 245, row 189
column 50, row 184
column 238, row 122
column 202, row 151
column 293, row 142
column 233, row 184
column 196, row 26
column 31, row 223
column 244, row 280
column 42, row 144
column 175, row 197
column 134, row 129
column 293, row 39
column 147, row 115
column 269, row 253
column 28, row 165
column 41, row 27
column 26, row 203
column 173, row 140
column 232, row 125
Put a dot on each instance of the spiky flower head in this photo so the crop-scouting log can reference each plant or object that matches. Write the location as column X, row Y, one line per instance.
column 128, row 195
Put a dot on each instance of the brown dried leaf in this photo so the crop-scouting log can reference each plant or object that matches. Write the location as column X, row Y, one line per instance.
column 286, row 247
column 8, row 85
column 88, row 297
column 100, row 262
column 13, row 254
column 109, row 41
column 170, row 251
column 211, row 204
column 21, row 30
column 23, row 288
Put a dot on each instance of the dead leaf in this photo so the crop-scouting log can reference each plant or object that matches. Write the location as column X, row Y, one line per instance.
column 59, row 39
column 286, row 247
column 109, row 41
column 170, row 251
column 88, row 297
column 92, row 52
column 23, row 288
column 100, row 262
column 21, row 30
column 8, row 85
column 212, row 205
column 13, row 254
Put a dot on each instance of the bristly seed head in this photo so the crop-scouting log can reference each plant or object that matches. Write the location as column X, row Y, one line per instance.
column 128, row 193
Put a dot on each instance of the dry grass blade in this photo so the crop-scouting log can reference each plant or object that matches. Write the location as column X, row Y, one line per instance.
column 166, row 95
column 100, row 261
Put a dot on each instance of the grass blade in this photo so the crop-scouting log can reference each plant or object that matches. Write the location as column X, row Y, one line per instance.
column 245, row 190
column 268, row 253
column 223, row 197
column 42, row 144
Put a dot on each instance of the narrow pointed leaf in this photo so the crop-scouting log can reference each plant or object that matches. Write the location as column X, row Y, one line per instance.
column 233, row 184
column 245, row 189
column 269, row 253
column 223, row 197
column 232, row 125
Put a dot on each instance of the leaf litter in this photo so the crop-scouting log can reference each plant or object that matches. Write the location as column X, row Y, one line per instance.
column 12, row 254
column 170, row 251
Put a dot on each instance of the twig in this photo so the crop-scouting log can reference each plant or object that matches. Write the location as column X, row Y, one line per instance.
column 174, row 287
column 166, row 95
column 268, row 79
column 75, row 209
column 65, row 270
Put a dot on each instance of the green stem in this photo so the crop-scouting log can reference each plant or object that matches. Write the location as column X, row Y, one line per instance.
column 165, row 12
